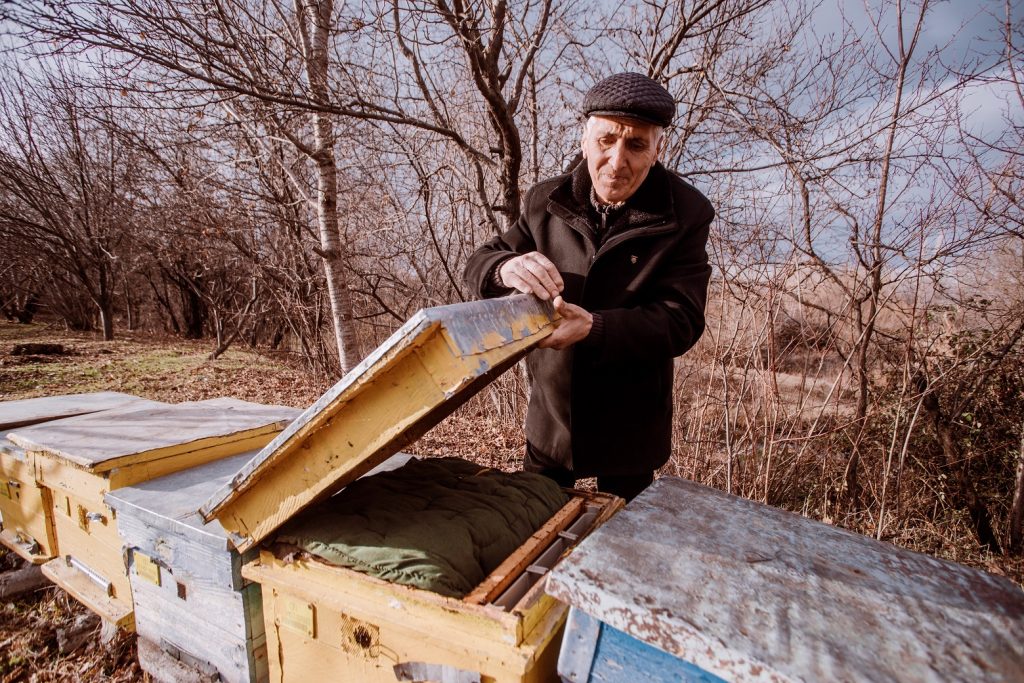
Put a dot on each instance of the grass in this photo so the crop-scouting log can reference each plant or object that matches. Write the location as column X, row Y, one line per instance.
column 163, row 370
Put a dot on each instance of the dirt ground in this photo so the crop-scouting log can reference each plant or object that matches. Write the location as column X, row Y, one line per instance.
column 172, row 371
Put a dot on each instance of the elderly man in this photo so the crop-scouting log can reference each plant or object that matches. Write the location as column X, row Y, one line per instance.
column 618, row 244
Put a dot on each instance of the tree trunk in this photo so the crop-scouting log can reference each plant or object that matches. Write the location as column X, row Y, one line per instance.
column 315, row 35
column 107, row 320
column 1017, row 510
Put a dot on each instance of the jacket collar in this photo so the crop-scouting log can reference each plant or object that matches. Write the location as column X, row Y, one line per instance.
column 651, row 203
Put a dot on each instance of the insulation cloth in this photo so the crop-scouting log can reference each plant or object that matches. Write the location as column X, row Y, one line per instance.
column 440, row 524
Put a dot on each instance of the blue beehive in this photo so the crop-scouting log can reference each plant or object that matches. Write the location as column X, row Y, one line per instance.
column 688, row 583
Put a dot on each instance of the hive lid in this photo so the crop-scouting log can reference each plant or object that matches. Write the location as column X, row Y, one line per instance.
column 752, row 593
column 100, row 442
column 412, row 381
column 171, row 503
column 29, row 411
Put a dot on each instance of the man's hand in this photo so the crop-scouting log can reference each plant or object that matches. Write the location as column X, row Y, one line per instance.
column 532, row 273
column 573, row 326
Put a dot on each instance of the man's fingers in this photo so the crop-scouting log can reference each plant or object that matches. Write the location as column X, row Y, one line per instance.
column 574, row 325
column 532, row 273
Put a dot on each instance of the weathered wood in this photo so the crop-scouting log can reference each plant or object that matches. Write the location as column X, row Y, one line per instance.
column 594, row 652
column 83, row 589
column 163, row 668
column 188, row 592
column 29, row 411
column 429, row 367
column 80, row 459
column 17, row 582
column 24, row 506
column 307, row 603
column 530, row 550
column 72, row 638
column 751, row 593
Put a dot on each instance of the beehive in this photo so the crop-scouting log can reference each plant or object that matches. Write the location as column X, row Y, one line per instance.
column 79, row 459
column 328, row 623
column 191, row 602
column 26, row 520
column 689, row 583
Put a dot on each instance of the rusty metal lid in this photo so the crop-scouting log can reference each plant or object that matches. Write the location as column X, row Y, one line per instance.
column 412, row 381
column 752, row 593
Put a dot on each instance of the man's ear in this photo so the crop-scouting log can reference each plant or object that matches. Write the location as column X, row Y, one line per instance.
column 662, row 143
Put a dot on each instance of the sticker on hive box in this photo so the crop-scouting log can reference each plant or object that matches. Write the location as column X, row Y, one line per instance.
column 146, row 568
column 5, row 489
column 296, row 614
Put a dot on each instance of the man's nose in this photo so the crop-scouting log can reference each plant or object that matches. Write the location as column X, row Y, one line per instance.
column 617, row 156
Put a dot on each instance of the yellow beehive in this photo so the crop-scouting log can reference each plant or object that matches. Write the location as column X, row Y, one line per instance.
column 325, row 622
column 79, row 459
column 26, row 522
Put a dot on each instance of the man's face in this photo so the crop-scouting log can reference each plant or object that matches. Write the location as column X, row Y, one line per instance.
column 619, row 153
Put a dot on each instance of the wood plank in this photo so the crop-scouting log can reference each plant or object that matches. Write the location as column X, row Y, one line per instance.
column 25, row 507
column 392, row 636
column 677, row 568
column 207, row 632
column 29, row 411
column 85, row 591
column 524, row 555
column 363, row 596
column 423, row 372
column 16, row 583
column 164, row 668
column 110, row 439
column 608, row 655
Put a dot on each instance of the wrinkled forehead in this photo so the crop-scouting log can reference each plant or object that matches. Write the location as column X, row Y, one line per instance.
column 621, row 127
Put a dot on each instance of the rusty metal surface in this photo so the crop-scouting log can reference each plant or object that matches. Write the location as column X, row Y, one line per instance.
column 752, row 593
column 470, row 329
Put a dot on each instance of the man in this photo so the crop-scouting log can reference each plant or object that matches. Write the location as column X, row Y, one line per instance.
column 618, row 244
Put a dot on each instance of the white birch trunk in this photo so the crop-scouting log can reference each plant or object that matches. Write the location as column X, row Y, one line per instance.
column 314, row 20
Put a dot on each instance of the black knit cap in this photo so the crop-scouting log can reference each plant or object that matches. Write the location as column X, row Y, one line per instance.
column 631, row 95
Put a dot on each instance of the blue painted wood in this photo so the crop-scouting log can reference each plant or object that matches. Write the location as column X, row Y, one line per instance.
column 759, row 595
column 616, row 657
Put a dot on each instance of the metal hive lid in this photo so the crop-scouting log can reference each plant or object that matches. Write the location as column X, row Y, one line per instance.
column 27, row 411
column 424, row 371
column 146, row 430
column 753, row 593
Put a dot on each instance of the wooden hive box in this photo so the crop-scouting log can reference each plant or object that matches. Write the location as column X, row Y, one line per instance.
column 26, row 520
column 80, row 459
column 325, row 622
column 193, row 610
column 692, row 584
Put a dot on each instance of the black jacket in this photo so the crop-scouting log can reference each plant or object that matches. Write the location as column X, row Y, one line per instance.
column 604, row 406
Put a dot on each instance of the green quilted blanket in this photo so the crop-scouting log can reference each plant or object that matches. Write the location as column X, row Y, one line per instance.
column 440, row 524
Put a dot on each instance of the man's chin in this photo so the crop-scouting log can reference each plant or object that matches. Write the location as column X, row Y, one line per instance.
column 615, row 194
